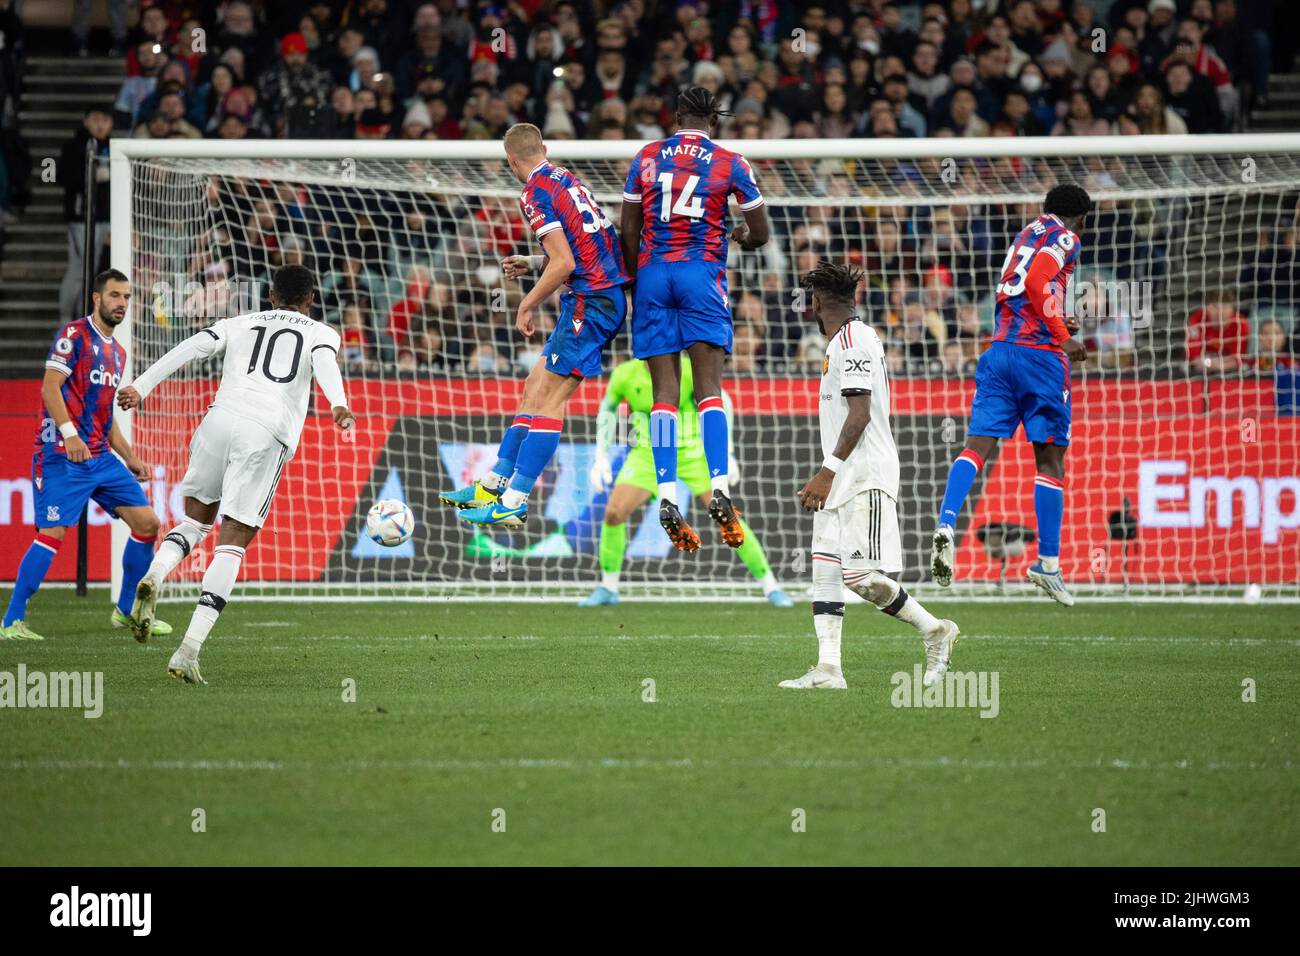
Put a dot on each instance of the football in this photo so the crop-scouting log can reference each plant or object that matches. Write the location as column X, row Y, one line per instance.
column 390, row 523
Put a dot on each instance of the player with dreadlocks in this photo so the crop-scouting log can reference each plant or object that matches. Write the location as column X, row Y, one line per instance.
column 855, row 492
column 674, row 229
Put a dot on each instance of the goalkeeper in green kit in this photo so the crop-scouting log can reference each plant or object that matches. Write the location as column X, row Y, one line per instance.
column 637, row 483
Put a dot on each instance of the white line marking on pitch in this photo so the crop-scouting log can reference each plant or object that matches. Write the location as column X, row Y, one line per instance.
column 655, row 763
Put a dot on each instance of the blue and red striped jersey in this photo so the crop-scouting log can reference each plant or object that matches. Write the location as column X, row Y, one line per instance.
column 554, row 198
column 93, row 364
column 683, row 184
column 1018, row 320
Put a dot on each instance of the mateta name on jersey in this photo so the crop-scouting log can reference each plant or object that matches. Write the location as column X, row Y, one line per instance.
column 687, row 149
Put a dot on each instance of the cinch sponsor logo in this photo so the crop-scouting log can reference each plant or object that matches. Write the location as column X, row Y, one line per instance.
column 74, row 690
column 102, row 376
column 103, row 909
column 1167, row 503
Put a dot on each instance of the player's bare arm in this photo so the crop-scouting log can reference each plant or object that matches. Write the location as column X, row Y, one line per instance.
column 559, row 266
column 813, row 495
column 117, row 441
column 754, row 232
column 52, row 395
column 629, row 235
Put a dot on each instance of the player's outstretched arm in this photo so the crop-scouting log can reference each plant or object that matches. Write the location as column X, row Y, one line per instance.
column 202, row 344
column 52, row 395
column 629, row 234
column 559, row 266
column 814, row 494
column 325, row 369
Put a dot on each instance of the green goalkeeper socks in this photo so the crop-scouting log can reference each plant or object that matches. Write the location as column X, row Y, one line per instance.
column 613, row 545
column 751, row 552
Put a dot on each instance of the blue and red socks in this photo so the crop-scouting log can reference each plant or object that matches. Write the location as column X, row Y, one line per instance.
column 717, row 447
column 507, row 453
column 31, row 572
column 1049, row 508
column 535, row 451
column 136, row 558
column 663, row 447
column 961, row 476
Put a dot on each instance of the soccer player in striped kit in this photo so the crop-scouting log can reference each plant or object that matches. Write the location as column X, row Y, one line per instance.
column 675, row 245
column 1025, row 377
column 582, row 253
column 74, row 463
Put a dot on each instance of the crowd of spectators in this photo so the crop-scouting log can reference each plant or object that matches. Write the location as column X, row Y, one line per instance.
column 453, row 69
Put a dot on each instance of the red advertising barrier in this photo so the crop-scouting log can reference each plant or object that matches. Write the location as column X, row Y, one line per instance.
column 1209, row 470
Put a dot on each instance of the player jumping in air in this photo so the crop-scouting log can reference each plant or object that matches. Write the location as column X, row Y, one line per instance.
column 856, row 543
column 674, row 225
column 73, row 464
column 1025, row 377
column 239, row 450
column 630, row 382
column 582, row 253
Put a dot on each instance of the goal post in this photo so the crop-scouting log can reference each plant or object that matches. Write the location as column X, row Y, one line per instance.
column 1182, row 480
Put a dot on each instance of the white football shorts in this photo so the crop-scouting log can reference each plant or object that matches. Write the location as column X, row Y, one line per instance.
column 863, row 532
column 237, row 462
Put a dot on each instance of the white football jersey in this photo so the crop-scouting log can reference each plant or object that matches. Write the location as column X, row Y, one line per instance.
column 266, row 373
column 855, row 360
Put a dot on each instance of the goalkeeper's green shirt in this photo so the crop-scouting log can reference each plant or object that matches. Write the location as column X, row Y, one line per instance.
column 630, row 382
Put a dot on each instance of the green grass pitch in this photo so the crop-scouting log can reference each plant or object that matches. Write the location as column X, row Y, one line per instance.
column 533, row 715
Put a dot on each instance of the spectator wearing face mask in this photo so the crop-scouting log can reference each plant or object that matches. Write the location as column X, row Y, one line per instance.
column 1033, row 86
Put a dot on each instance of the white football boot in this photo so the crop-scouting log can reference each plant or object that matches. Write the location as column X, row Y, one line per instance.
column 938, row 651
column 184, row 668
column 820, row 677
column 1050, row 583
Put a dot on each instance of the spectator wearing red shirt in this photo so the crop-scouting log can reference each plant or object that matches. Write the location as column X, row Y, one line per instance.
column 1218, row 336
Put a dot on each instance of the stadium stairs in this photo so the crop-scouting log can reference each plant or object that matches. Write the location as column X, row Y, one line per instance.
column 1282, row 114
column 57, row 91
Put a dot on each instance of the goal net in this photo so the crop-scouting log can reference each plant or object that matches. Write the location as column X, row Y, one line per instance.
column 1182, row 477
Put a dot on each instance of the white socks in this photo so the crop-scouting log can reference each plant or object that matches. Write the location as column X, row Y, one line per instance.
column 769, row 583
column 492, row 481
column 609, row 580
column 888, row 595
column 218, row 582
column 513, row 498
column 721, row 483
column 668, row 491
column 917, row 616
column 829, row 628
column 176, row 547
column 1050, row 565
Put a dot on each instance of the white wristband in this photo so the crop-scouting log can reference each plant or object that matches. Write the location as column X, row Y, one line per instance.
column 68, row 430
column 832, row 463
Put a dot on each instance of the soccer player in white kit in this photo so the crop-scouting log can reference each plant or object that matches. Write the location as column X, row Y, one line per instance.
column 856, row 543
column 239, row 450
